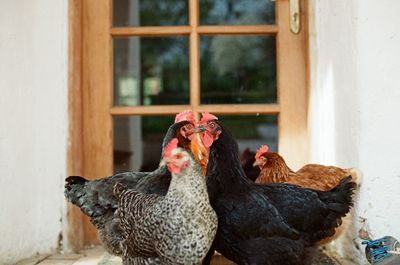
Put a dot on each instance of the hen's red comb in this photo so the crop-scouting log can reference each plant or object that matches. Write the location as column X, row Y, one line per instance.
column 206, row 116
column 262, row 150
column 170, row 146
column 185, row 115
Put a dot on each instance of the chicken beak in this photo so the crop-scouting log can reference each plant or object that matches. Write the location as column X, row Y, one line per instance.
column 165, row 162
column 200, row 152
column 200, row 129
column 257, row 163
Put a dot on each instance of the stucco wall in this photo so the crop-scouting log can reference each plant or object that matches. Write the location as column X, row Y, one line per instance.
column 33, row 125
column 355, row 101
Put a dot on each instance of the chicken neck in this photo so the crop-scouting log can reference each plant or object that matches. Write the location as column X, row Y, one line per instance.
column 189, row 185
column 276, row 170
column 224, row 171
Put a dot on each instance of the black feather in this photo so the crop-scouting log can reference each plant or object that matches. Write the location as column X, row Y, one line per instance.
column 252, row 216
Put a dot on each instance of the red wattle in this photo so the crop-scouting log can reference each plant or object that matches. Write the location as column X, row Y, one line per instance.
column 207, row 139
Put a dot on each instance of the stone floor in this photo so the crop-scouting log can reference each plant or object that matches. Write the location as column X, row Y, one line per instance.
column 97, row 256
column 94, row 256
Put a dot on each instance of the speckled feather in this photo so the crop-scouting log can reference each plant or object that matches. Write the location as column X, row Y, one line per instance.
column 96, row 200
column 174, row 229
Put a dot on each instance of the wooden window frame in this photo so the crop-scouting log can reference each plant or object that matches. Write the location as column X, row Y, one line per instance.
column 91, row 107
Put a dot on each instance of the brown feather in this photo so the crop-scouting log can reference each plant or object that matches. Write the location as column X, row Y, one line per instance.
column 313, row 176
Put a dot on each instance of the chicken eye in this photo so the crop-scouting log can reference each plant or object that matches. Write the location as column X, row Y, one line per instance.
column 212, row 125
column 178, row 156
column 189, row 126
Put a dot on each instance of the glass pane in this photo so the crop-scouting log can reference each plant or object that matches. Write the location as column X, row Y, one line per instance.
column 151, row 71
column 237, row 12
column 259, row 129
column 150, row 13
column 251, row 131
column 238, row 69
column 137, row 142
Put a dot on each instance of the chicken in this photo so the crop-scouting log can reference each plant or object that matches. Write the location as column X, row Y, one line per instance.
column 318, row 177
column 247, row 160
column 177, row 228
column 96, row 200
column 265, row 224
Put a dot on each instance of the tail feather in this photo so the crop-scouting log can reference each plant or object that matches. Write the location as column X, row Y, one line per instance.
column 342, row 193
column 74, row 180
column 78, row 193
column 338, row 207
column 95, row 199
column 74, row 186
column 355, row 175
column 339, row 201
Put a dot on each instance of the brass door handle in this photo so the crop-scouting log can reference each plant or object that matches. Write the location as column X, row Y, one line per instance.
column 295, row 16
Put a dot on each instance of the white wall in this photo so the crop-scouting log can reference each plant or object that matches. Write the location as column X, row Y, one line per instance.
column 33, row 125
column 355, row 101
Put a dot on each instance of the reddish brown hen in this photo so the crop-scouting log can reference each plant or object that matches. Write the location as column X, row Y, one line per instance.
column 318, row 177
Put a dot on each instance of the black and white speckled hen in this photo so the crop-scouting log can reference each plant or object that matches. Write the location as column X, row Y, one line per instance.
column 175, row 229
column 95, row 197
column 265, row 224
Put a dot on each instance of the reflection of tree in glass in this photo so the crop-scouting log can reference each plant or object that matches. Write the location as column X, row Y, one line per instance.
column 236, row 53
column 155, row 127
column 246, row 12
column 162, row 13
column 250, row 122
column 168, row 60
column 238, row 69
column 150, row 12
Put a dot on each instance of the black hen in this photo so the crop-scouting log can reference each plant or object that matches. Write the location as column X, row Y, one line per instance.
column 316, row 214
column 257, row 223
column 95, row 198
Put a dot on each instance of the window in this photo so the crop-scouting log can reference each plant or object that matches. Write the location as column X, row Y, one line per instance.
column 137, row 63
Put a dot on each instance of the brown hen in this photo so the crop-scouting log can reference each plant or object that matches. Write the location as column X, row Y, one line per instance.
column 318, row 177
